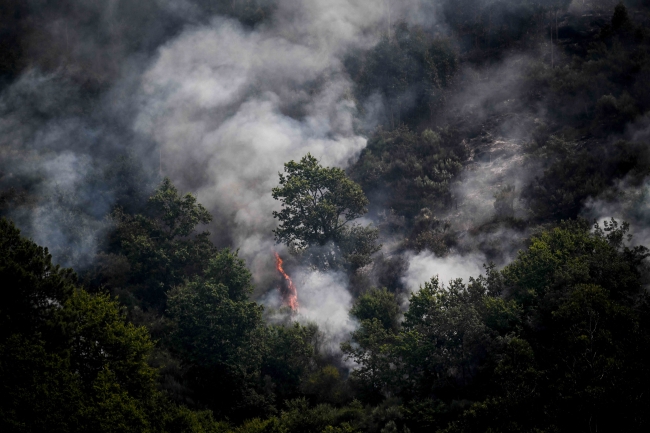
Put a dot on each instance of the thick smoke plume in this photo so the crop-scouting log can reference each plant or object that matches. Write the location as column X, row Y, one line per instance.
column 184, row 89
column 228, row 106
column 189, row 93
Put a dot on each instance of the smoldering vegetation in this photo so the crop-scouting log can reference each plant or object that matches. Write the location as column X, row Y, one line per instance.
column 478, row 133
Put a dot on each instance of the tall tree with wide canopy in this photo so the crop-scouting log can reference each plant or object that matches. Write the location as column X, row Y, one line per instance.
column 318, row 205
column 317, row 202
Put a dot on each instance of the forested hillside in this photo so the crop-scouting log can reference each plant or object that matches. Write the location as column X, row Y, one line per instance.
column 325, row 216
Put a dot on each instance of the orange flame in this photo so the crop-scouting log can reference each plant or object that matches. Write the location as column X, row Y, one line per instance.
column 290, row 295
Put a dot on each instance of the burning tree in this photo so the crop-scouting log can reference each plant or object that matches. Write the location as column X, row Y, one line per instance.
column 288, row 291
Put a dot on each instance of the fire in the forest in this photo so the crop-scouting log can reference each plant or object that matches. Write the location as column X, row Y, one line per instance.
column 288, row 290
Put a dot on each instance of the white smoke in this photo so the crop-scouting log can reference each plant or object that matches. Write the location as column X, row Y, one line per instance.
column 425, row 265
column 325, row 300
column 228, row 106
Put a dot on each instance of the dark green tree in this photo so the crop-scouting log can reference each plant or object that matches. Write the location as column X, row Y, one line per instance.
column 154, row 251
column 372, row 347
column 444, row 338
column 553, row 342
column 410, row 71
column 33, row 287
column 219, row 335
column 289, row 358
column 408, row 172
column 378, row 304
column 69, row 360
column 317, row 202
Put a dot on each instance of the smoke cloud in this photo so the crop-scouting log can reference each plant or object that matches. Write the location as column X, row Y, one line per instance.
column 325, row 300
column 219, row 104
column 425, row 265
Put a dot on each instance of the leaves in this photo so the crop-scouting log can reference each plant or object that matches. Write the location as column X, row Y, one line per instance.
column 317, row 205
column 316, row 202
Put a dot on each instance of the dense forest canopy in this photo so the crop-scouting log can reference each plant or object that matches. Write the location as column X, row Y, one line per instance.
column 355, row 216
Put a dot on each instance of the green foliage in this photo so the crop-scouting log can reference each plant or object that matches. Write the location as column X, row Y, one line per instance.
column 69, row 361
column 32, row 286
column 372, row 347
column 317, row 204
column 218, row 333
column 573, row 173
column 39, row 391
column 486, row 29
column 195, row 299
column 601, row 89
column 289, row 357
column 326, row 386
column 177, row 216
column 69, row 219
column 430, row 233
column 357, row 244
column 570, row 255
column 180, row 419
column 300, row 417
column 378, row 304
column 157, row 250
column 256, row 425
column 553, row 342
column 105, row 345
column 444, row 337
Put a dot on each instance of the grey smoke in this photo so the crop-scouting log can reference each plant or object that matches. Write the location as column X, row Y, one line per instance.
column 224, row 105
column 228, row 105
column 219, row 105
column 624, row 201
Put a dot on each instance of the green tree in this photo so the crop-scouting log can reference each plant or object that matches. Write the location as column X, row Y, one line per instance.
column 410, row 71
column 555, row 341
column 585, row 317
column 326, row 385
column 407, row 172
column 288, row 358
column 444, row 338
column 219, row 335
column 372, row 347
column 33, row 288
column 69, row 361
column 318, row 203
column 154, row 251
column 378, row 304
